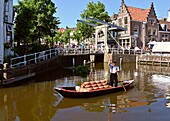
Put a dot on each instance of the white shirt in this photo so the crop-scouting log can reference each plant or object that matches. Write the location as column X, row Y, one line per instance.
column 113, row 69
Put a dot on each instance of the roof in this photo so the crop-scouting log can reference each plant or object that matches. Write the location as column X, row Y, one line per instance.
column 138, row 14
column 61, row 30
column 162, row 21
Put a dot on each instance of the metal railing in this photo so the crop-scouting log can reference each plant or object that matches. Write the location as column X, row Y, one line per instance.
column 44, row 55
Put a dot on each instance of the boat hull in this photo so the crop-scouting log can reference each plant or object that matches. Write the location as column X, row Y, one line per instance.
column 70, row 92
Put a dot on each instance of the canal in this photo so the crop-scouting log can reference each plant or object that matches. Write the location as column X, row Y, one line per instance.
column 37, row 101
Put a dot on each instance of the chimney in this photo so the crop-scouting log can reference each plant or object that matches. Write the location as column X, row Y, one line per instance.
column 168, row 19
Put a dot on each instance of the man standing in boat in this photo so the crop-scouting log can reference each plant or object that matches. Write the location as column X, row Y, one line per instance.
column 114, row 69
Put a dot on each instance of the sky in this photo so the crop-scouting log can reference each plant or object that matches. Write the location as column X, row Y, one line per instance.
column 69, row 11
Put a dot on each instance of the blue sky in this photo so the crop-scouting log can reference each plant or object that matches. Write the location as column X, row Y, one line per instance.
column 69, row 11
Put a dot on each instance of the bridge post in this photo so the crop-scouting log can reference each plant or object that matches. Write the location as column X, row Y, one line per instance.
column 107, row 56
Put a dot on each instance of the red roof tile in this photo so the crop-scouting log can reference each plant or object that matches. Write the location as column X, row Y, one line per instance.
column 61, row 30
column 138, row 14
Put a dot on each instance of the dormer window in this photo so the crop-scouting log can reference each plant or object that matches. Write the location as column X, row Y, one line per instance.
column 165, row 27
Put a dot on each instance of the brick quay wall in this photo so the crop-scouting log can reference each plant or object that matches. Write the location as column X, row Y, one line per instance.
column 12, row 75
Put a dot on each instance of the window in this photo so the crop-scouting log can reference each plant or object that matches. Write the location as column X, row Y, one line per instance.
column 154, row 31
column 149, row 31
column 126, row 29
column 136, row 31
column 164, row 37
column 5, row 18
column 125, row 20
column 122, row 11
column 165, row 27
column 152, row 13
column 151, row 21
column 120, row 22
column 6, row 6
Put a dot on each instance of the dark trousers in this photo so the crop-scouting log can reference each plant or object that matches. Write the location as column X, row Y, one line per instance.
column 113, row 78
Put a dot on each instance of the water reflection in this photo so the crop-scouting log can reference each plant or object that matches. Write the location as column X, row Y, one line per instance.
column 38, row 101
column 117, row 102
column 27, row 103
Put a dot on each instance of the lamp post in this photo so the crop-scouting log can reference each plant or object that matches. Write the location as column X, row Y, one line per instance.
column 52, row 34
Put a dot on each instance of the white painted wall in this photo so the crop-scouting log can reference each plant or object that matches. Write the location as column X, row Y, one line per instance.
column 1, row 31
column 168, row 19
column 3, row 28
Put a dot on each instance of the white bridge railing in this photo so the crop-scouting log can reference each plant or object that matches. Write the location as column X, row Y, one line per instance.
column 44, row 55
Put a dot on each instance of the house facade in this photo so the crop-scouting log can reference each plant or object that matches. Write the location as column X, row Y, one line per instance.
column 164, row 29
column 6, row 28
column 142, row 26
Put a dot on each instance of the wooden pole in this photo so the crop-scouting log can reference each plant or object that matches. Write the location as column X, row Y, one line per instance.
column 121, row 82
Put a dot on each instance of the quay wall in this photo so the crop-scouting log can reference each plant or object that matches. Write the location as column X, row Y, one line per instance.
column 124, row 58
column 19, row 73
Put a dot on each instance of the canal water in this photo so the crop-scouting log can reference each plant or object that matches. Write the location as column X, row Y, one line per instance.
column 37, row 101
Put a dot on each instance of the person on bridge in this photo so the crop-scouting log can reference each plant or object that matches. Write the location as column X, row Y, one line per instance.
column 114, row 69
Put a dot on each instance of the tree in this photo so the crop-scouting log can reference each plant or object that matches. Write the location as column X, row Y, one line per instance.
column 35, row 19
column 22, row 25
column 58, row 36
column 45, row 21
column 66, row 36
column 77, row 35
column 94, row 10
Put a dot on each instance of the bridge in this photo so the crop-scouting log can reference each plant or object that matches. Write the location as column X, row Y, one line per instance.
column 47, row 54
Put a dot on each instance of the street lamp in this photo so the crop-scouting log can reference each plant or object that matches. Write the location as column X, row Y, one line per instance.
column 52, row 33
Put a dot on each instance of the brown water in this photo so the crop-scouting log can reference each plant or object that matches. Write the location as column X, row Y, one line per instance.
column 39, row 102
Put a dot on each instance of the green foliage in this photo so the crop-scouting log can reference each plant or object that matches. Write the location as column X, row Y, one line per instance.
column 57, row 36
column 66, row 36
column 77, row 35
column 34, row 20
column 94, row 10
column 36, row 47
column 82, row 70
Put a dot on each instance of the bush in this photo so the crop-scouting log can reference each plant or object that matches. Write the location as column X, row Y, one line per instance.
column 82, row 70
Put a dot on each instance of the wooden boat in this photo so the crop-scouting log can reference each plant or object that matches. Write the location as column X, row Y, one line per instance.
column 72, row 93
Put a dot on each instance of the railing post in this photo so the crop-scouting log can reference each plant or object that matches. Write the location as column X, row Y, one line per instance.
column 11, row 63
column 35, row 57
column 50, row 53
column 55, row 51
column 25, row 60
column 44, row 55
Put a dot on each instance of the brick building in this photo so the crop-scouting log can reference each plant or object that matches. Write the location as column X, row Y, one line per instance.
column 164, row 29
column 142, row 25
